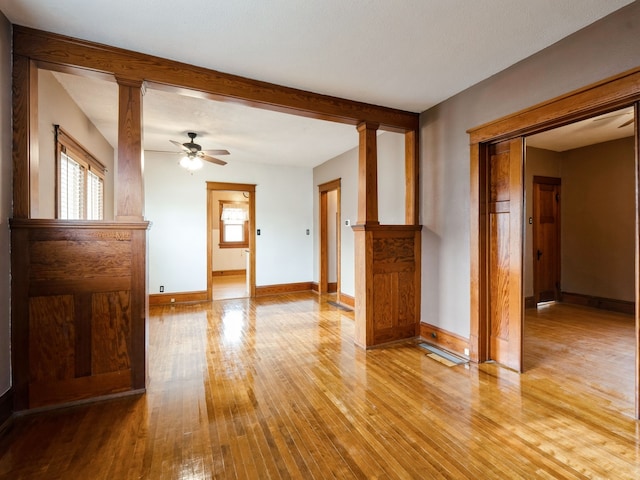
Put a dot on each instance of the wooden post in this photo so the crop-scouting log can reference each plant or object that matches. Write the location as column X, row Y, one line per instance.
column 412, row 179
column 368, row 175
column 130, row 195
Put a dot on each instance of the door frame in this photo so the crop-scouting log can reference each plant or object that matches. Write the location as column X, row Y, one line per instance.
column 542, row 180
column 323, row 282
column 233, row 187
column 608, row 95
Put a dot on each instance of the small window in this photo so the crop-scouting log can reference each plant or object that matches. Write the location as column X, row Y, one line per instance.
column 234, row 224
column 80, row 180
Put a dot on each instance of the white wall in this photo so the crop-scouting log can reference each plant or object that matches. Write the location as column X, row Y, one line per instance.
column 176, row 204
column 5, row 204
column 391, row 196
column 601, row 50
column 55, row 107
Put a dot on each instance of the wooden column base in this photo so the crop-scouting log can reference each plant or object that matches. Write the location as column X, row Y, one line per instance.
column 387, row 283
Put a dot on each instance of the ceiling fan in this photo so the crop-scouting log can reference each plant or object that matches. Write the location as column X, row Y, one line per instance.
column 193, row 155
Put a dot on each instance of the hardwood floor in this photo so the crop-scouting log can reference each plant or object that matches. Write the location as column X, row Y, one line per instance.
column 275, row 388
column 225, row 287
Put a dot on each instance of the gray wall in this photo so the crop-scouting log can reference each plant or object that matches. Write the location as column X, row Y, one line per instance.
column 5, row 203
column 601, row 50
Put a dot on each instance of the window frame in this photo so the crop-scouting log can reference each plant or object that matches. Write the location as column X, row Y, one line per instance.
column 65, row 143
column 245, row 231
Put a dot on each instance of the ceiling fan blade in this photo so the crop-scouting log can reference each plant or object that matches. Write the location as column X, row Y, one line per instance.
column 207, row 158
column 215, row 152
column 180, row 146
column 628, row 122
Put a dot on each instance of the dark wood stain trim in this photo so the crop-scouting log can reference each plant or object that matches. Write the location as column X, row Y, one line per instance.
column 6, row 409
column 610, row 304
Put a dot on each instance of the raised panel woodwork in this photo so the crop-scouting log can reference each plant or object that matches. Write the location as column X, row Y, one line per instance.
column 75, row 313
column 111, row 332
column 52, row 338
column 391, row 281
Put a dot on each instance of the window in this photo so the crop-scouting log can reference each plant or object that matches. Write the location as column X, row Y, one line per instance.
column 234, row 224
column 80, row 185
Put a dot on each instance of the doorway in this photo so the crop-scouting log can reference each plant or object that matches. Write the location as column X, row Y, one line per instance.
column 230, row 240
column 330, row 225
column 580, row 187
column 497, row 168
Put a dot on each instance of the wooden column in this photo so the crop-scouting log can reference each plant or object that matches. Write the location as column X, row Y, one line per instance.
column 387, row 257
column 368, row 174
column 130, row 195
column 412, row 179
column 25, row 138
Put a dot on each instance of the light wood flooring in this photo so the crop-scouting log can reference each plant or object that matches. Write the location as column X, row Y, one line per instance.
column 225, row 287
column 275, row 388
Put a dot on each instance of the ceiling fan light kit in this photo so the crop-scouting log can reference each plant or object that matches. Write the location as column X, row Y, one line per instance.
column 193, row 155
column 191, row 162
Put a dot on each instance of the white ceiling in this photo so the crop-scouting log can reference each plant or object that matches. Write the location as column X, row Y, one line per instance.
column 610, row 126
column 409, row 54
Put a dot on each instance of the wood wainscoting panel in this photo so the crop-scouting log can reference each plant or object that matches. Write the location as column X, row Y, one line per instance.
column 392, row 283
column 76, row 311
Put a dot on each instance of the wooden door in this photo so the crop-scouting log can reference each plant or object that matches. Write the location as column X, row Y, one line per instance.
column 546, row 239
column 505, row 238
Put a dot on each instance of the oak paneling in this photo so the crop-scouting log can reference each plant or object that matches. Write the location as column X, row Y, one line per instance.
column 74, row 285
column 391, row 281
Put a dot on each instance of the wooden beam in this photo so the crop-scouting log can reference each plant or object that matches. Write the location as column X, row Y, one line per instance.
column 202, row 82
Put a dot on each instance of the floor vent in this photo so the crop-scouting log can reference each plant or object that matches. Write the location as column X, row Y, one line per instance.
column 341, row 307
column 442, row 356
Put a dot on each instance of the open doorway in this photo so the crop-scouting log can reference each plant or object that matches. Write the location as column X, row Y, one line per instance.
column 579, row 255
column 330, row 238
column 230, row 240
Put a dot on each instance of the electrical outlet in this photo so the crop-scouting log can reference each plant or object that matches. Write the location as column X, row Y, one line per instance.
column 466, row 352
column 161, row 288
column 258, row 232
column 307, row 231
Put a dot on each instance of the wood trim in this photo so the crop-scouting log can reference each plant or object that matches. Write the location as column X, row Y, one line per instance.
column 6, row 409
column 611, row 304
column 607, row 95
column 178, row 297
column 529, row 302
column 332, row 287
column 600, row 97
column 63, row 391
column 278, row 289
column 347, row 300
column 444, row 339
column 226, row 273
column 315, row 287
column 411, row 179
column 332, row 185
column 197, row 81
column 38, row 223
